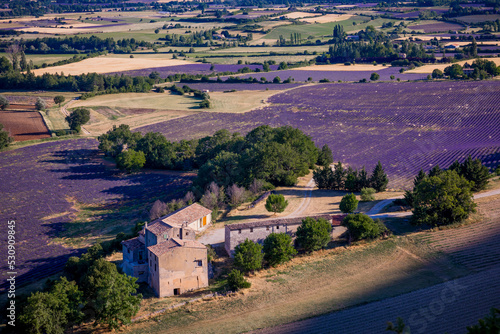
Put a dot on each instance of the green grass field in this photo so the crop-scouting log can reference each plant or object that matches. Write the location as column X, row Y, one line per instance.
column 39, row 59
column 324, row 29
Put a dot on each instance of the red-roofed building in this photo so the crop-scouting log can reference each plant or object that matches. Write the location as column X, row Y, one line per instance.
column 166, row 255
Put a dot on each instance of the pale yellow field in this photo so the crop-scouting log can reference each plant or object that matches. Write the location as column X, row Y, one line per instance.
column 299, row 15
column 106, row 64
column 239, row 102
column 430, row 68
column 327, row 18
column 341, row 67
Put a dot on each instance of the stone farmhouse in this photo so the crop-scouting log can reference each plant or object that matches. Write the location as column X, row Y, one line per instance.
column 166, row 254
column 257, row 231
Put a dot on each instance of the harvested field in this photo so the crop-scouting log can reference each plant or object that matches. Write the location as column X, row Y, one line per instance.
column 107, row 64
column 24, row 123
column 327, row 18
column 430, row 68
column 300, row 15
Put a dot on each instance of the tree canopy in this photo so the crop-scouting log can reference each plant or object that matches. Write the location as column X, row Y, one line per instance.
column 5, row 138
column 248, row 256
column 442, row 199
column 77, row 118
column 313, row 234
column 276, row 203
column 278, row 248
column 348, row 203
column 361, row 226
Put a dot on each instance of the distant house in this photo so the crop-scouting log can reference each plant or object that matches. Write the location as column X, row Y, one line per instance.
column 452, row 46
column 257, row 231
column 165, row 254
column 352, row 38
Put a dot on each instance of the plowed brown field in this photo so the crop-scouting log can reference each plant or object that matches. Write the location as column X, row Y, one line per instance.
column 23, row 123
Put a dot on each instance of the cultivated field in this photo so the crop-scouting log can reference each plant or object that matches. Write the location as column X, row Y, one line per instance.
column 57, row 189
column 478, row 18
column 327, row 18
column 107, row 64
column 23, row 122
column 436, row 27
column 409, row 125
column 430, row 68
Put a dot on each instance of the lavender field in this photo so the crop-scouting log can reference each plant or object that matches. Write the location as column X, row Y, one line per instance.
column 40, row 185
column 304, row 74
column 407, row 126
column 191, row 69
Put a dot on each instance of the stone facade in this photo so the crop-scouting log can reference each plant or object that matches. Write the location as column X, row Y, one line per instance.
column 166, row 255
column 257, row 231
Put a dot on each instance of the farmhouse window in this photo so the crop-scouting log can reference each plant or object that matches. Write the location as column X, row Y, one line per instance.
column 239, row 231
column 199, row 263
column 128, row 250
column 277, row 227
column 165, row 236
column 155, row 266
column 251, row 229
column 267, row 228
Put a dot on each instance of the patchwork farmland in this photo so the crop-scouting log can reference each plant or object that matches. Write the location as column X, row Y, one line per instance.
column 24, row 122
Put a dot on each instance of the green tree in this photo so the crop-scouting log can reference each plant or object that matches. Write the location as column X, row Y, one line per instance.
column 59, row 99
column 475, row 171
column 278, row 248
column 130, row 161
column 54, row 311
column 442, row 199
column 374, row 77
column 77, row 118
column 325, row 157
column 5, row 139
column 361, row 226
column 110, row 295
column 236, row 280
column 489, row 325
column 436, row 74
column 248, row 256
column 348, row 203
column 323, row 177
column 454, row 71
column 40, row 104
column 117, row 139
column 379, row 179
column 276, row 203
column 158, row 151
column 367, row 194
column 4, row 103
column 313, row 234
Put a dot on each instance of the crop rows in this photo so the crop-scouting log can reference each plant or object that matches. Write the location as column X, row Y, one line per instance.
column 39, row 185
column 436, row 27
column 193, row 69
column 304, row 75
column 407, row 126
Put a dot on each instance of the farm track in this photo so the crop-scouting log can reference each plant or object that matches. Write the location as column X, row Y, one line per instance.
column 475, row 247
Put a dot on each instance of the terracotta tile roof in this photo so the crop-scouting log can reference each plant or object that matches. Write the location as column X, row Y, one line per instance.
column 158, row 228
column 335, row 219
column 162, row 248
column 188, row 214
column 133, row 243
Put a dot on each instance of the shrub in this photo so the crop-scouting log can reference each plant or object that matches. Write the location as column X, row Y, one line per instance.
column 361, row 226
column 4, row 103
column 40, row 104
column 374, row 76
column 276, row 203
column 5, row 139
column 248, row 256
column 313, row 234
column 130, row 161
column 278, row 248
column 367, row 194
column 348, row 203
column 236, row 280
